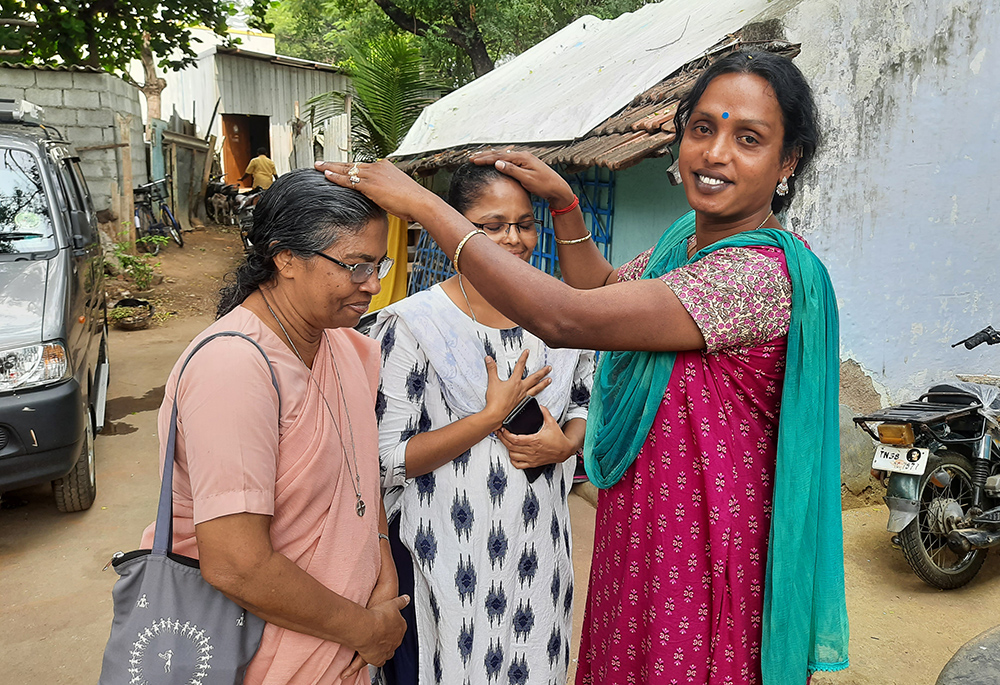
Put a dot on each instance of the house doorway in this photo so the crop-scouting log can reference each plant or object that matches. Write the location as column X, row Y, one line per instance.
column 243, row 136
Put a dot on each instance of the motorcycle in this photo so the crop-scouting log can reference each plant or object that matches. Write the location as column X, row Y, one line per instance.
column 220, row 200
column 939, row 458
column 245, row 202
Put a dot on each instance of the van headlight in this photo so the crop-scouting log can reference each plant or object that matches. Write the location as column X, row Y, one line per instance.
column 33, row 365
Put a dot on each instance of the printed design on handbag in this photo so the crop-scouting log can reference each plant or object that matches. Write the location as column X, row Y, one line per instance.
column 143, row 603
column 176, row 644
column 166, row 656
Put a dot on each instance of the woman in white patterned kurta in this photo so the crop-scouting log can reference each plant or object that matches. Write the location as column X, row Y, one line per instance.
column 489, row 550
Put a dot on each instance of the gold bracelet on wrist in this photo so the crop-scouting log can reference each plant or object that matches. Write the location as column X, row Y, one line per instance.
column 461, row 244
column 574, row 241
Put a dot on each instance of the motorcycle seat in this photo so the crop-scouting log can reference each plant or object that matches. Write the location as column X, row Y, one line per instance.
column 965, row 394
column 949, row 394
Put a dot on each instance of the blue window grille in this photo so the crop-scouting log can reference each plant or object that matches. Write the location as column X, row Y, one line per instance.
column 596, row 189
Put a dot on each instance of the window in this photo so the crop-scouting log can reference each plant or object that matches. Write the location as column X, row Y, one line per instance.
column 25, row 218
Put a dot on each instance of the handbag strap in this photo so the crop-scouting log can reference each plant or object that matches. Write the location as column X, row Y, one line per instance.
column 163, row 536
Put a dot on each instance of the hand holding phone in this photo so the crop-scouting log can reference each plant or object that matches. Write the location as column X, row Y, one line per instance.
column 527, row 419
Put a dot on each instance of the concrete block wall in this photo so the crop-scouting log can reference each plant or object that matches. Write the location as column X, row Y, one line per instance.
column 90, row 109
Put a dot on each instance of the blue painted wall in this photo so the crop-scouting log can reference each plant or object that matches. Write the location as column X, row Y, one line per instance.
column 903, row 203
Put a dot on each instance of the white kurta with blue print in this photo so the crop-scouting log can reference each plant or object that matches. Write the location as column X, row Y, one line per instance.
column 493, row 572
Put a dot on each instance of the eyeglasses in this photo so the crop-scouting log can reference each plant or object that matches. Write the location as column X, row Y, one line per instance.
column 495, row 227
column 360, row 273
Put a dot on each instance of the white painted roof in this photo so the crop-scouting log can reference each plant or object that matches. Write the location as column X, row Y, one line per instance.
column 576, row 78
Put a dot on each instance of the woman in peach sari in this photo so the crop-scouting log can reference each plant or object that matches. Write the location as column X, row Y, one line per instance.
column 278, row 497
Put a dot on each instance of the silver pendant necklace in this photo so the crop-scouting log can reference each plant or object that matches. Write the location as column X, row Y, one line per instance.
column 469, row 304
column 355, row 475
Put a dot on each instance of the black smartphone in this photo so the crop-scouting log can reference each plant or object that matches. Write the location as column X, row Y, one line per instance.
column 524, row 420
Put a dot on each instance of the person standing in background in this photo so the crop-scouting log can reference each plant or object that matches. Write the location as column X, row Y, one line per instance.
column 261, row 170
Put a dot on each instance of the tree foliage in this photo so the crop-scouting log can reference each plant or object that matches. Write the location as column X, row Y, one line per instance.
column 307, row 30
column 391, row 88
column 109, row 33
column 477, row 34
column 462, row 39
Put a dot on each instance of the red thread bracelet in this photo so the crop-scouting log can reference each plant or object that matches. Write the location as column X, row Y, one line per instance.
column 572, row 205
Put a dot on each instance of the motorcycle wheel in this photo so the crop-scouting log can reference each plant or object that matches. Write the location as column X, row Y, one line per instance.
column 926, row 550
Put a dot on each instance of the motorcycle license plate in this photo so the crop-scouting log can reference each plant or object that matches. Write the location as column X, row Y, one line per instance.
column 911, row 460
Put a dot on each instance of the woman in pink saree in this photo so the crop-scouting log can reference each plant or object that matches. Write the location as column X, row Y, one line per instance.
column 713, row 430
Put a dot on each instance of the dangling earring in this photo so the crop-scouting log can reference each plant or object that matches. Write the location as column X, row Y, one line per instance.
column 782, row 189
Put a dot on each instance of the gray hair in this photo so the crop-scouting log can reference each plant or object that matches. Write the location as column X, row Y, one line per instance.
column 301, row 212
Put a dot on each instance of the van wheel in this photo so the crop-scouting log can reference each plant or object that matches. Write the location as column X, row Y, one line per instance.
column 76, row 490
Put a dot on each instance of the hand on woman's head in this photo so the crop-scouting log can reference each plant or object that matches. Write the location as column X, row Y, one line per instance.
column 536, row 176
column 382, row 182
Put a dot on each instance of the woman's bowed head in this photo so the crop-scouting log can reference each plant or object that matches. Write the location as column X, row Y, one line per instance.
column 320, row 250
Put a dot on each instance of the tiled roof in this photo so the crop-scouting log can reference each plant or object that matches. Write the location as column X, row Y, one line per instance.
column 644, row 128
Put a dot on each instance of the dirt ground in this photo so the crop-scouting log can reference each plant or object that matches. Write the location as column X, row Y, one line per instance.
column 55, row 602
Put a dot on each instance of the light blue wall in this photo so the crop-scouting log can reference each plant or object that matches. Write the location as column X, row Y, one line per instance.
column 903, row 204
column 645, row 206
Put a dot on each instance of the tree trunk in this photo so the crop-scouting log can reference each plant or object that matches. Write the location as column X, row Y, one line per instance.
column 482, row 63
column 154, row 85
column 464, row 34
column 472, row 42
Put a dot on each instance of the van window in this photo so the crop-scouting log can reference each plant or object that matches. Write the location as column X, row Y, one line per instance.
column 25, row 219
column 76, row 188
column 81, row 184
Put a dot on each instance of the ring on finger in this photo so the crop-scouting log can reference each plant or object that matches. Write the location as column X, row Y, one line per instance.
column 355, row 179
column 353, row 171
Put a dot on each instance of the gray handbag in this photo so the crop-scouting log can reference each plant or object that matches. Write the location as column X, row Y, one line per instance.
column 170, row 626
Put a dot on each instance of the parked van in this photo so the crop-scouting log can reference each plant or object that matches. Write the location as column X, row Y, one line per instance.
column 53, row 315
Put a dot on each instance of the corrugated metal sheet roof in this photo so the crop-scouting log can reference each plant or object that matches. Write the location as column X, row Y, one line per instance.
column 53, row 67
column 643, row 128
column 279, row 59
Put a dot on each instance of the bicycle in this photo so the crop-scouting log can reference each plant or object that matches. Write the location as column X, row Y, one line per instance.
column 145, row 218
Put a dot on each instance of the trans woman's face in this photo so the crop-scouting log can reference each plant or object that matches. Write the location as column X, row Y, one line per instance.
column 731, row 154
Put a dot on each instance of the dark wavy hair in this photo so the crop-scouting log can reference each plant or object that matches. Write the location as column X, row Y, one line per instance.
column 798, row 109
column 468, row 182
column 301, row 212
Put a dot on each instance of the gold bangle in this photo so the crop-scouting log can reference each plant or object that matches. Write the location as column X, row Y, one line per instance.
column 461, row 244
column 574, row 242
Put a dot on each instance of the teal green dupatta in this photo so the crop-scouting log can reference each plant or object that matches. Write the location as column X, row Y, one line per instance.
column 805, row 616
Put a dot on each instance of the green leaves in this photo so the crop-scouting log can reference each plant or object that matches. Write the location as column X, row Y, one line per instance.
column 391, row 85
column 108, row 33
column 461, row 38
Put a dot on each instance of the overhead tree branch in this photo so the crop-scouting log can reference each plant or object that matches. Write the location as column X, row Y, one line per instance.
column 402, row 19
column 18, row 22
column 475, row 46
column 465, row 33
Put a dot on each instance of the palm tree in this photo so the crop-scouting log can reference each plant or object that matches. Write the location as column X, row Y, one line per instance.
column 392, row 86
